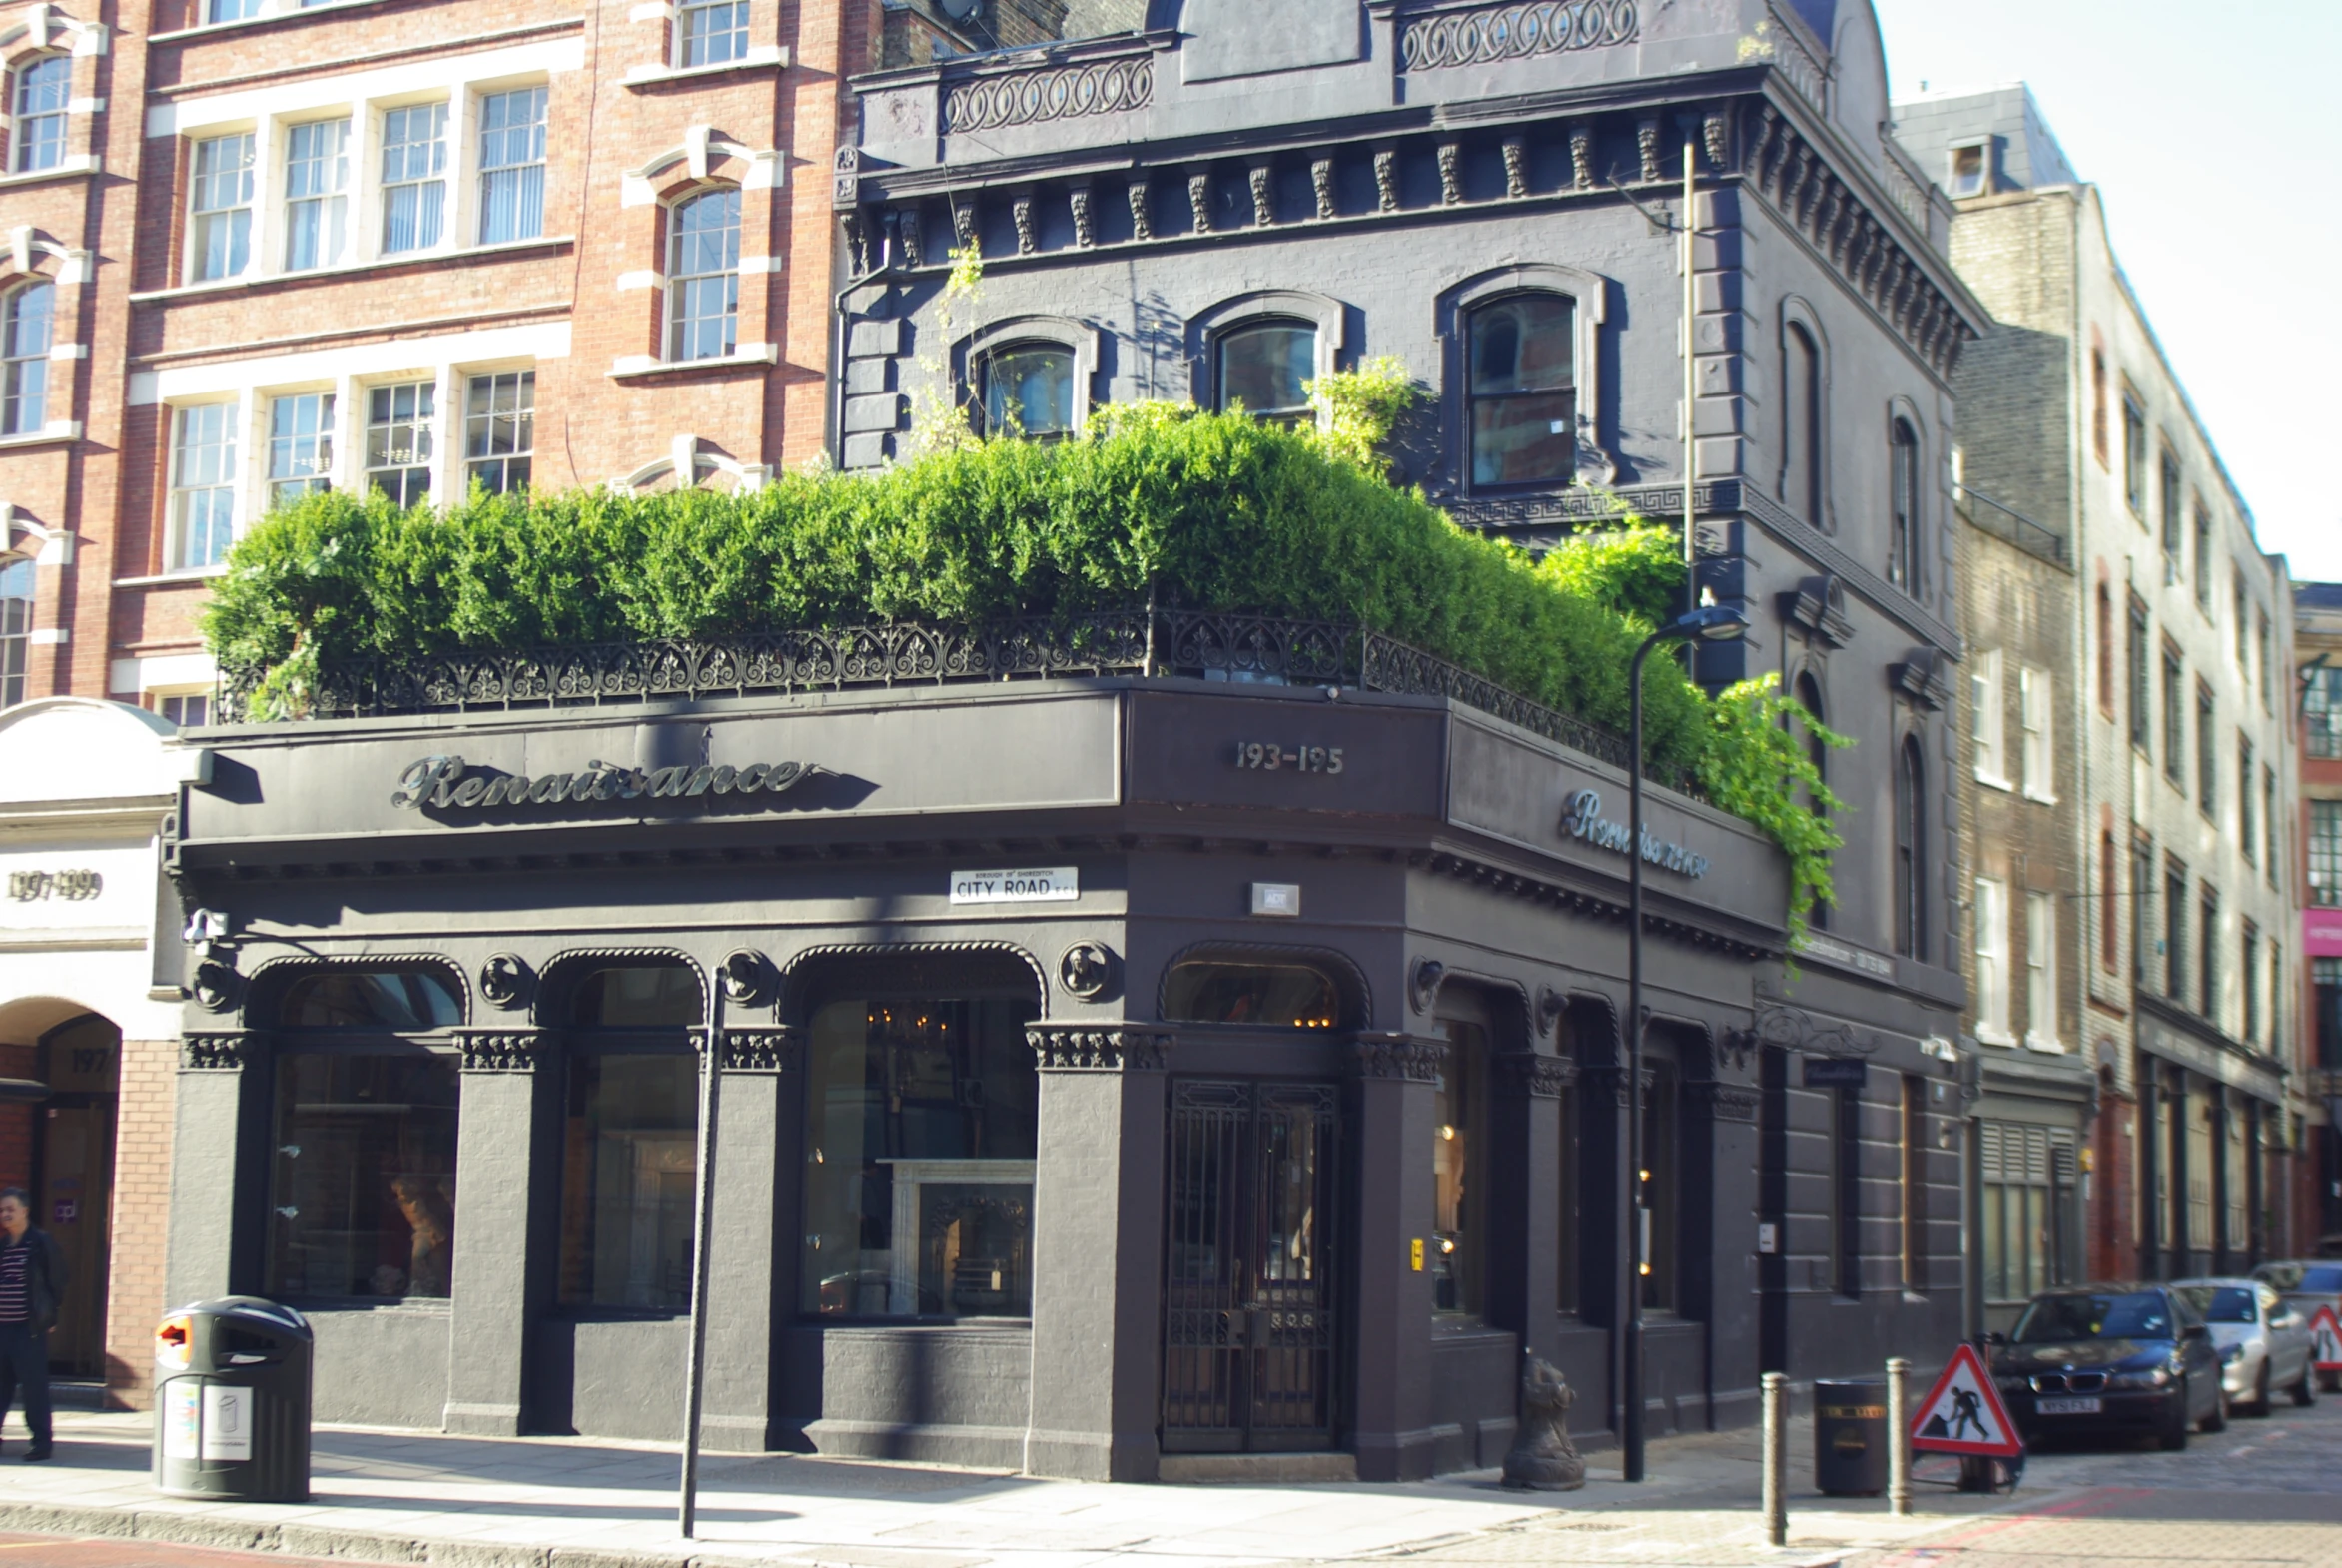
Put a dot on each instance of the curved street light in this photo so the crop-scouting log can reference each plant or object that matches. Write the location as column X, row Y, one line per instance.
column 1710, row 622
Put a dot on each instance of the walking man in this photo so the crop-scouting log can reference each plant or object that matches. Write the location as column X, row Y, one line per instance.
column 32, row 1282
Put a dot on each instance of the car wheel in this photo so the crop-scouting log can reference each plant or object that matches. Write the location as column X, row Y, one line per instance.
column 2260, row 1393
column 2173, row 1433
column 2305, row 1392
column 2217, row 1421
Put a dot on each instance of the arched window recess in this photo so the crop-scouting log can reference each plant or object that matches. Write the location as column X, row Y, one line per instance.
column 1522, row 369
column 1028, row 376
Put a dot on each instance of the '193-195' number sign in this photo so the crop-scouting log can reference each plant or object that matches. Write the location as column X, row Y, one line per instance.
column 1269, row 756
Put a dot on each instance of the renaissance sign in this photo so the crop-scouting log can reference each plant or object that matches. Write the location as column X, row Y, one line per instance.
column 448, row 783
column 1582, row 819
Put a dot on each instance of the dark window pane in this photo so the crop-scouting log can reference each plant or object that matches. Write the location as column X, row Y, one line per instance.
column 1525, row 344
column 630, row 1165
column 650, row 997
column 1524, row 440
column 1263, row 368
column 365, row 1197
column 390, row 999
column 921, row 1117
column 1028, row 391
column 1459, row 1154
column 1286, row 995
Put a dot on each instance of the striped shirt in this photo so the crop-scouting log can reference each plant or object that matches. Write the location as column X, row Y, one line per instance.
column 16, row 1260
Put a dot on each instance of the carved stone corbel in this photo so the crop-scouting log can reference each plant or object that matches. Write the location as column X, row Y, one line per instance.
column 207, row 1050
column 503, row 1050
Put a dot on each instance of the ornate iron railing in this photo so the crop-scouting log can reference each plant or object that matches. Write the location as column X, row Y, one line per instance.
column 1197, row 645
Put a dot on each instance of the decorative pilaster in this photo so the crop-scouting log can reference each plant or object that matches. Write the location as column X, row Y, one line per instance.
column 1110, row 1047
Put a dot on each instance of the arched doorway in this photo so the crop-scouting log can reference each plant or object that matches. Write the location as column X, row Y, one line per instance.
column 71, row 1177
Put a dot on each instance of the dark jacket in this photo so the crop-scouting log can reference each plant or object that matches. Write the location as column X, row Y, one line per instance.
column 44, row 1279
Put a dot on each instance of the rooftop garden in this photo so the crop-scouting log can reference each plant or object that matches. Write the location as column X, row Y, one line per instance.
column 1153, row 504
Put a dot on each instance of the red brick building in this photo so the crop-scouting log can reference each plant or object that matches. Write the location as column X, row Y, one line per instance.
column 253, row 246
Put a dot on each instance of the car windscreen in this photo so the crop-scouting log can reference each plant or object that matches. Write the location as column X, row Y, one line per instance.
column 2222, row 1303
column 2055, row 1319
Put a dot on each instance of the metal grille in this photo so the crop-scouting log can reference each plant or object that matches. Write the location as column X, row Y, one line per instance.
column 1252, row 1257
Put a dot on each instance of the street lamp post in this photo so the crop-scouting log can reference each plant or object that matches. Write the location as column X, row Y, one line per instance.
column 1708, row 623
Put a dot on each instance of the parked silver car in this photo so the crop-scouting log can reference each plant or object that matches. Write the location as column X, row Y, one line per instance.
column 2263, row 1340
column 2307, row 1283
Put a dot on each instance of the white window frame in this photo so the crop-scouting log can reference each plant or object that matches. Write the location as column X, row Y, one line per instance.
column 2040, row 965
column 1992, row 950
column 20, row 144
column 679, row 54
column 255, row 243
column 525, row 377
column 441, row 175
column 332, row 202
column 1983, row 148
column 22, row 364
column 1989, row 699
column 2036, row 751
column 482, row 170
column 671, row 319
column 430, row 425
column 323, row 440
column 230, row 481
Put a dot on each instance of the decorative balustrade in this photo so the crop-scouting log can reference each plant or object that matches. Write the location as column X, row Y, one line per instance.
column 1247, row 648
column 1487, row 34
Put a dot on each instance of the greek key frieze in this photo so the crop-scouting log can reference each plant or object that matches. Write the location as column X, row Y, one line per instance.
column 1065, row 92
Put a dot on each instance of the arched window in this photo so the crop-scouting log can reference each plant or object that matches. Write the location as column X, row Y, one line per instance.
column 362, row 1204
column 1523, row 390
column 26, row 327
column 1280, row 995
column 703, row 275
column 630, row 1154
column 1903, row 561
column 1266, row 365
column 16, row 627
column 1028, row 390
column 1801, row 428
column 1911, row 855
column 43, row 88
column 1808, row 697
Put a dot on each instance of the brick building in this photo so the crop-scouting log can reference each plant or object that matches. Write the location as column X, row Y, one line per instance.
column 259, row 247
column 2317, row 649
column 2130, row 914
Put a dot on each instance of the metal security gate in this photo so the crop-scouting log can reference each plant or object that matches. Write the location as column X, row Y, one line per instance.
column 1252, row 1265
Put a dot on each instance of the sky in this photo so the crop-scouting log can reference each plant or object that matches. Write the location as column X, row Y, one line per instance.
column 2207, row 129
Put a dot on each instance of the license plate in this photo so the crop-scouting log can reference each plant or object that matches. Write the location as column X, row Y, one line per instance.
column 2067, row 1406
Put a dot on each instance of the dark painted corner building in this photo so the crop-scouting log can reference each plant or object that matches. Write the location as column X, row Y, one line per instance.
column 1213, row 1048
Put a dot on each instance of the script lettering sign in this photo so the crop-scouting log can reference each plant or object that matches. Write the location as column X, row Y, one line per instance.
column 446, row 783
column 1582, row 819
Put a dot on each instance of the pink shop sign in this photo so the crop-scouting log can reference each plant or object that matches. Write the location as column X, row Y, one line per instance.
column 2322, row 933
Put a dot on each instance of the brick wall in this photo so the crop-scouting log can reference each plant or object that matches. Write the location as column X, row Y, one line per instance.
column 142, row 1206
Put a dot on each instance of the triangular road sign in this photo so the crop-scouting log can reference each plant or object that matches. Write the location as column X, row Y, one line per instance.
column 2325, row 1337
column 1962, row 1414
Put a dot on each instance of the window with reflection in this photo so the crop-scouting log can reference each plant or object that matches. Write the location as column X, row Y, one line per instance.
column 1523, row 390
column 1902, row 550
column 1029, row 391
column 364, row 1203
column 630, row 1145
column 1459, row 1158
column 920, row 1122
column 1910, row 856
column 1280, row 995
column 1265, row 369
column 1656, row 1186
column 399, row 1000
column 16, row 627
column 1800, row 432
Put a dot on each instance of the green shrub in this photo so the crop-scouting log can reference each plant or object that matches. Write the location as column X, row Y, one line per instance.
column 1200, row 511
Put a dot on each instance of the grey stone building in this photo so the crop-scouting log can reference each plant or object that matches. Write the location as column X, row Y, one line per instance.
column 2130, row 914
column 1206, row 210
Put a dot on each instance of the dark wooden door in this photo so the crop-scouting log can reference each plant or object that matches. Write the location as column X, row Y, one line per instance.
column 1251, row 1266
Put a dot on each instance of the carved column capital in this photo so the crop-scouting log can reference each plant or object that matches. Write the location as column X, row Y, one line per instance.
column 217, row 1051
column 768, row 1047
column 1108, row 1047
column 1526, row 1072
column 1414, row 1057
column 503, row 1050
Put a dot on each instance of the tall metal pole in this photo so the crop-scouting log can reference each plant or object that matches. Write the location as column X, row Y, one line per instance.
column 711, row 1076
column 1691, row 391
column 1631, row 1377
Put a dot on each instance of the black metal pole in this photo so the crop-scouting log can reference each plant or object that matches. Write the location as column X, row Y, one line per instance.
column 1631, row 1379
column 711, row 1076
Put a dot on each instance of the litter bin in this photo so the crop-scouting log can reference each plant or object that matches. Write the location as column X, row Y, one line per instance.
column 232, row 1385
column 1850, row 1438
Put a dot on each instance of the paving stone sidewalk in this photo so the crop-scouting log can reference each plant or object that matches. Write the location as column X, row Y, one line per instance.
column 579, row 1503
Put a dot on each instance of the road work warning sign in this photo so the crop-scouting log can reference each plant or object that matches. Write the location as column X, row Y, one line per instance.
column 1962, row 1414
